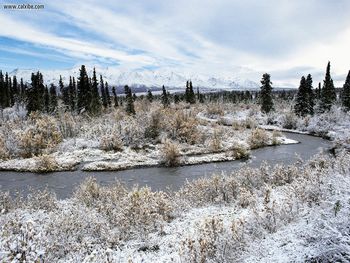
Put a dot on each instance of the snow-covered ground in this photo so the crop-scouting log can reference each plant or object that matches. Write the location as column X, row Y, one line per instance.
column 116, row 141
column 272, row 214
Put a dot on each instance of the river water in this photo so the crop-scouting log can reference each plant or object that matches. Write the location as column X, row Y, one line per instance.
column 161, row 178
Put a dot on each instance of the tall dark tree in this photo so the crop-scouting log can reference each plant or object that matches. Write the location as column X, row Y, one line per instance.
column 266, row 100
column 22, row 90
column 129, row 108
column 3, row 98
column 64, row 93
column 176, row 99
column 149, row 95
column 346, row 93
column 7, row 91
column 165, row 98
column 116, row 104
column 53, row 98
column 72, row 93
column 103, row 93
column 83, row 91
column 35, row 93
column 14, row 90
column 310, row 94
column 189, row 93
column 108, row 96
column 95, row 103
column 46, row 106
column 328, row 94
column 301, row 107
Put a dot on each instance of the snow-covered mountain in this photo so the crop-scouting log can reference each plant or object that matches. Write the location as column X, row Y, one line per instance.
column 145, row 78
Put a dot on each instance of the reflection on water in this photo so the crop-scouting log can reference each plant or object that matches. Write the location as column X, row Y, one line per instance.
column 159, row 178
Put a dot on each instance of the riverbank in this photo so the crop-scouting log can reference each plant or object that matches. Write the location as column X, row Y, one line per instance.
column 265, row 214
column 231, row 145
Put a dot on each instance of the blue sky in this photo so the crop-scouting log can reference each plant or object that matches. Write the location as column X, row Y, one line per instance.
column 285, row 38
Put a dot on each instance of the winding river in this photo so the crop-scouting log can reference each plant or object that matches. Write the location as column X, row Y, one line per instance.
column 161, row 178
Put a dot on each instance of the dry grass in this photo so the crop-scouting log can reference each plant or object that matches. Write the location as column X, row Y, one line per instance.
column 258, row 138
column 170, row 153
column 45, row 164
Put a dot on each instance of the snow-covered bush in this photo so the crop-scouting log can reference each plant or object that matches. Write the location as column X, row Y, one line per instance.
column 4, row 153
column 258, row 138
column 41, row 135
column 111, row 142
column 45, row 163
column 215, row 143
column 239, row 151
column 170, row 153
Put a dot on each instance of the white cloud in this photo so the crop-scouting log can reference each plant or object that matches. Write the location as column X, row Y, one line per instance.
column 205, row 36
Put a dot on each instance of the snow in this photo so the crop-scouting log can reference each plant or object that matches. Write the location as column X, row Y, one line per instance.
column 302, row 228
column 147, row 78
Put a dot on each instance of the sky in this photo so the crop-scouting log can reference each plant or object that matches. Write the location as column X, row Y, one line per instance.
column 287, row 39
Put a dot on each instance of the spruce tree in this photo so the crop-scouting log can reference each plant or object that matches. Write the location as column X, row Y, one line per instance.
column 36, row 100
column 189, row 93
column 149, row 95
column 165, row 99
column 310, row 94
column 176, row 99
column 266, row 101
column 2, row 91
column 14, row 90
column 72, row 93
column 129, row 101
column 103, row 92
column 83, row 91
column 301, row 107
column 346, row 93
column 108, row 96
column 116, row 104
column 95, row 104
column 64, row 93
column 46, row 100
column 7, row 91
column 328, row 95
column 53, row 98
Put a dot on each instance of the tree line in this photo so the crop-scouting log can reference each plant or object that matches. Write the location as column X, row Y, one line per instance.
column 93, row 94
column 308, row 99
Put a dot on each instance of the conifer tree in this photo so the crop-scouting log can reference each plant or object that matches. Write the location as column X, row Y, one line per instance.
column 165, row 99
column 190, row 97
column 15, row 89
column 7, row 91
column 328, row 95
column 103, row 93
column 2, row 91
column 266, row 101
column 72, row 93
column 36, row 100
column 46, row 100
column 64, row 93
column 53, row 98
column 149, row 95
column 134, row 97
column 95, row 104
column 108, row 96
column 22, row 90
column 129, row 101
column 310, row 94
column 176, row 99
column 84, row 93
column 301, row 107
column 346, row 93
column 116, row 104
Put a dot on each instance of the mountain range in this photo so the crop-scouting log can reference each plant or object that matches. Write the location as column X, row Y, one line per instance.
column 145, row 78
